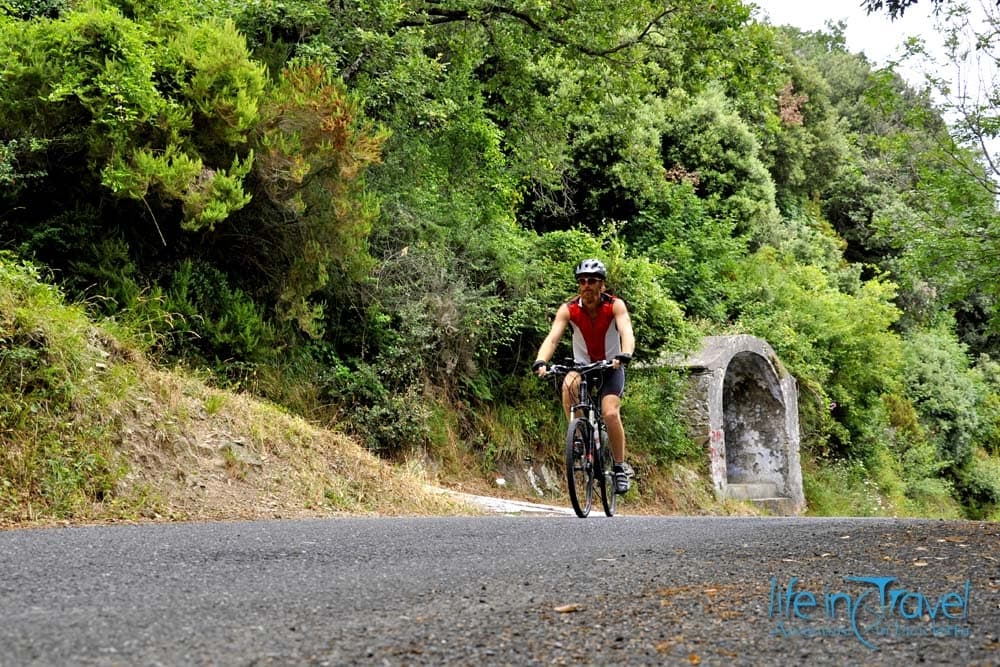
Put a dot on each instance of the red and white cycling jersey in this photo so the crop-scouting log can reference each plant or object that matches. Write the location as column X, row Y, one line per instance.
column 594, row 339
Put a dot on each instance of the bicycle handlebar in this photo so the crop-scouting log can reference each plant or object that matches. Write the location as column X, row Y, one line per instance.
column 583, row 369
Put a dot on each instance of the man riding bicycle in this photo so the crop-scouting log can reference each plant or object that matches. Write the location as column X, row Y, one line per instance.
column 601, row 330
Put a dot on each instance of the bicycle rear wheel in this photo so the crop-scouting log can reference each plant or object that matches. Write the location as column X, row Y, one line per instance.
column 580, row 466
column 606, row 479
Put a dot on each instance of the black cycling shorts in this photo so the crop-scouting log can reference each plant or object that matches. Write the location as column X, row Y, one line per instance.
column 613, row 382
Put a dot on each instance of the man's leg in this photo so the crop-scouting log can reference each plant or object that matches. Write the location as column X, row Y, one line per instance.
column 611, row 409
column 570, row 392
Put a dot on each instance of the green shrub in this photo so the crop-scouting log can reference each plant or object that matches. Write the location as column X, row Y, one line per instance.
column 650, row 410
column 226, row 323
column 944, row 391
column 394, row 426
column 507, row 432
column 989, row 405
column 841, row 488
column 691, row 249
column 933, row 497
column 147, row 113
column 978, row 483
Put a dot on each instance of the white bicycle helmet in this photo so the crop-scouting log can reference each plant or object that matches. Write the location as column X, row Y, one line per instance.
column 591, row 267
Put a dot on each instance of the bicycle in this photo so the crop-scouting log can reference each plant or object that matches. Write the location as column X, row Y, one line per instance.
column 588, row 459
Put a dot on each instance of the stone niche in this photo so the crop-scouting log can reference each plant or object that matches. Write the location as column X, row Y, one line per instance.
column 742, row 406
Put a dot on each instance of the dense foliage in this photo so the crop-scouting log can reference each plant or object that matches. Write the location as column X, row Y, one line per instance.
column 368, row 211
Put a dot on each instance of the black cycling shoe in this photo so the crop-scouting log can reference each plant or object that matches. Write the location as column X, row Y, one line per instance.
column 621, row 480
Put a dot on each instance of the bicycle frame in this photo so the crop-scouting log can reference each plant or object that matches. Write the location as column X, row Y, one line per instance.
column 588, row 404
column 587, row 459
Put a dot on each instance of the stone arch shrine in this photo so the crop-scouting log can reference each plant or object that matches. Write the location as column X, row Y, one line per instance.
column 742, row 406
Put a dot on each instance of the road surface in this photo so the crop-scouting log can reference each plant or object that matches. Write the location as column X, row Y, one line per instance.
column 502, row 590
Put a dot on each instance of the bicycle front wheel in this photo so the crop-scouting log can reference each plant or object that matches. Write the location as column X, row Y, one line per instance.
column 580, row 466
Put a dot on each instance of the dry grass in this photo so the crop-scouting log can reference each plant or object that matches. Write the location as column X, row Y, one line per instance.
column 205, row 454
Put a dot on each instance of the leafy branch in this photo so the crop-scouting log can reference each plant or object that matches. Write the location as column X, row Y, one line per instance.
column 436, row 13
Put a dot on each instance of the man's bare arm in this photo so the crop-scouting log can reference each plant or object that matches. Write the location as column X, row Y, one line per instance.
column 624, row 323
column 551, row 342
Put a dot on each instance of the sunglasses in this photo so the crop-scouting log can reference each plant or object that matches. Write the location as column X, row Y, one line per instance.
column 588, row 280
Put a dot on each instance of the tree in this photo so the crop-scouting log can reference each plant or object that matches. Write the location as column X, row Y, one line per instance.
column 313, row 148
column 970, row 99
column 896, row 8
column 949, row 233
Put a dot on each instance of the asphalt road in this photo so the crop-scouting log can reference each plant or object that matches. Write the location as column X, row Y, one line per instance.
column 504, row 591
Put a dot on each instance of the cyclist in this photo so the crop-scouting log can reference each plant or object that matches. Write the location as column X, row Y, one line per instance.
column 602, row 330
